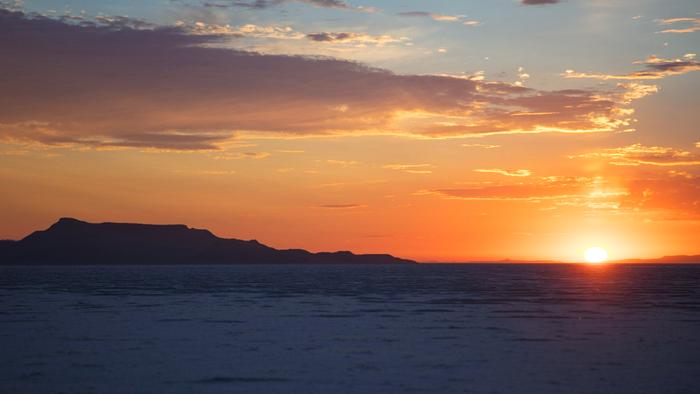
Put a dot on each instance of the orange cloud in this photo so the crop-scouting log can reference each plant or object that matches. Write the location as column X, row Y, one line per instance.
column 411, row 168
column 638, row 154
column 242, row 155
column 665, row 196
column 593, row 193
column 342, row 206
column 485, row 146
column 694, row 25
column 342, row 163
column 655, row 68
column 514, row 173
column 669, row 197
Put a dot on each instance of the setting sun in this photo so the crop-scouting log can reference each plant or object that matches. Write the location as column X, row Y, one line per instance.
column 596, row 255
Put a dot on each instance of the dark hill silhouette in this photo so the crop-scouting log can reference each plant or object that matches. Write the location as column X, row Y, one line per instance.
column 71, row 241
column 681, row 259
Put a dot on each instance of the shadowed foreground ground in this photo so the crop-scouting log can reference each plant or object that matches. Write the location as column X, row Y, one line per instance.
column 350, row 329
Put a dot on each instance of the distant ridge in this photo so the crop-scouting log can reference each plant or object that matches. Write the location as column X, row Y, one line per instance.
column 681, row 259
column 72, row 241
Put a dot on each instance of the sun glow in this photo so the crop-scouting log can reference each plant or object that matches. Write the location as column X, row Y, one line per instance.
column 596, row 255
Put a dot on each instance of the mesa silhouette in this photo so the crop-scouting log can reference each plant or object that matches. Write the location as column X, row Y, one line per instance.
column 71, row 241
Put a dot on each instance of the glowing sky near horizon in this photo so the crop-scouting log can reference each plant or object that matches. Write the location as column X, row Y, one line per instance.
column 441, row 130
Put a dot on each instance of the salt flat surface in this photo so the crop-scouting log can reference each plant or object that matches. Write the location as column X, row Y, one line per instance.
column 345, row 329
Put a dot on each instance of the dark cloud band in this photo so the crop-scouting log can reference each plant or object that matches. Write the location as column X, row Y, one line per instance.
column 162, row 87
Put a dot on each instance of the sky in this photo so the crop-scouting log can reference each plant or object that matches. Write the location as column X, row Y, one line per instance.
column 432, row 130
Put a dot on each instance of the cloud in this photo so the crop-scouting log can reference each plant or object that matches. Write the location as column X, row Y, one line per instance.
column 326, row 3
column 352, row 38
column 287, row 33
column 411, row 168
column 560, row 191
column 290, row 151
column 262, row 4
column 249, row 30
column 118, row 22
column 485, row 146
column 168, row 87
column 242, row 155
column 635, row 91
column 210, row 172
column 437, row 17
column 514, row 173
column 667, row 196
column 651, row 182
column 638, row 155
column 670, row 197
column 694, row 25
column 539, row 2
column 425, row 14
column 440, row 17
column 342, row 206
column 655, row 68
column 342, row 163
column 523, row 76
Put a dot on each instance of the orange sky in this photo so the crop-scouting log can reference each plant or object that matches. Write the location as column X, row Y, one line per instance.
column 171, row 123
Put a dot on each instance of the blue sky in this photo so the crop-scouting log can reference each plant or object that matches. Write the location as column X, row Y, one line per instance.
column 594, row 35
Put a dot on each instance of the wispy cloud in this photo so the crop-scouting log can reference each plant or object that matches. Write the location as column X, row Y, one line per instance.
column 262, row 4
column 692, row 25
column 484, row 146
column 425, row 14
column 287, row 33
column 539, row 2
column 638, row 155
column 669, row 195
column 248, row 30
column 342, row 163
column 441, row 17
column 634, row 91
column 242, row 155
column 353, row 38
column 411, row 168
column 655, row 68
column 514, row 173
column 342, row 206
column 593, row 193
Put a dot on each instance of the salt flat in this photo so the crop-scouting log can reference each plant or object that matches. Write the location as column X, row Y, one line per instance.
column 350, row 329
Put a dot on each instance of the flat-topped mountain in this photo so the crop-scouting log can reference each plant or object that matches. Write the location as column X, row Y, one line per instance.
column 71, row 241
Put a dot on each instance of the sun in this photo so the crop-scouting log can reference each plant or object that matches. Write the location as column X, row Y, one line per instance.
column 596, row 255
